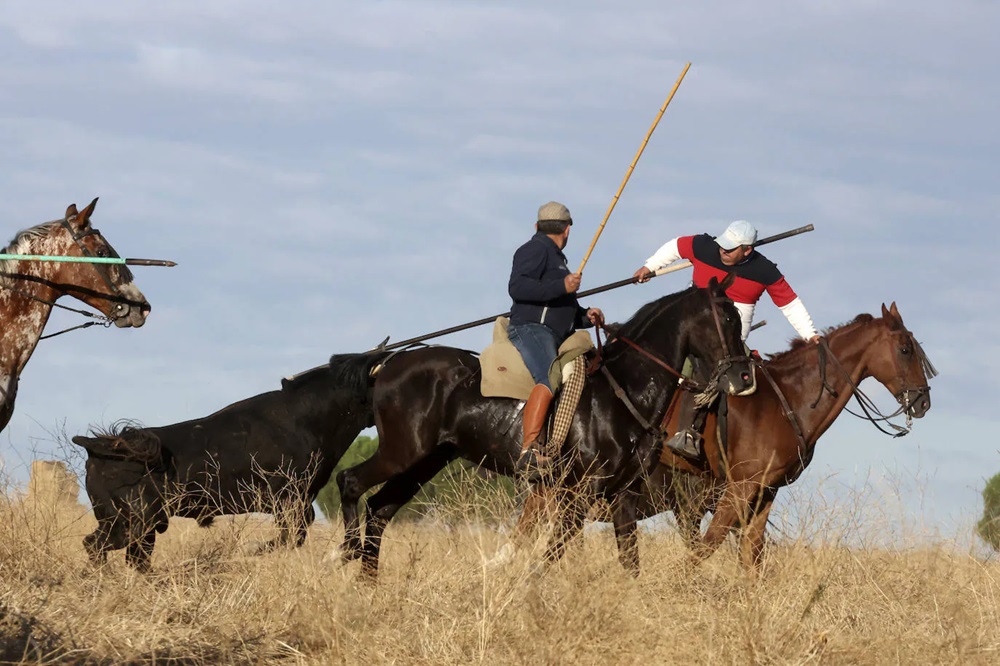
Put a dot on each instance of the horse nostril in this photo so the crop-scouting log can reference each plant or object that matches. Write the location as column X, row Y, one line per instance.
column 745, row 376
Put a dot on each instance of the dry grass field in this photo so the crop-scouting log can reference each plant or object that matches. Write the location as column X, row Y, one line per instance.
column 437, row 602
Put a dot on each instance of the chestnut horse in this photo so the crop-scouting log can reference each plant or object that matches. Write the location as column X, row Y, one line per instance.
column 429, row 410
column 29, row 290
column 772, row 434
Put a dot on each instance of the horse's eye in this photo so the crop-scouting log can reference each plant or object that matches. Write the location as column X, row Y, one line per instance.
column 101, row 252
column 904, row 350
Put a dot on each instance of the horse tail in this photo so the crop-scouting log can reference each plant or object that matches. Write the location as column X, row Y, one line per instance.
column 124, row 441
column 356, row 372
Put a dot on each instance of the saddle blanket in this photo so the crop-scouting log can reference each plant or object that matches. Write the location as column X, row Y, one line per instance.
column 506, row 376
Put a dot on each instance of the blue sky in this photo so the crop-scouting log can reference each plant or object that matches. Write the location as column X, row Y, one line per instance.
column 327, row 174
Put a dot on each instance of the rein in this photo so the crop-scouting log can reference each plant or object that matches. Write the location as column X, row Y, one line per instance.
column 868, row 406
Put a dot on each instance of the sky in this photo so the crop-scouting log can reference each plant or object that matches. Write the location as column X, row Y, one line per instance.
column 327, row 174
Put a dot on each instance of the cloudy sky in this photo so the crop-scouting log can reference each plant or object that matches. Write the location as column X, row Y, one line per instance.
column 329, row 173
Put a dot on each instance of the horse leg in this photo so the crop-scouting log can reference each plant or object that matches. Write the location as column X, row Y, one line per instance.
column 752, row 539
column 623, row 511
column 573, row 517
column 389, row 499
column 355, row 482
column 733, row 507
column 537, row 509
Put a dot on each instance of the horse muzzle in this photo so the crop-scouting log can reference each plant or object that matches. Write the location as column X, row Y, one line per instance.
column 915, row 402
column 130, row 315
column 736, row 375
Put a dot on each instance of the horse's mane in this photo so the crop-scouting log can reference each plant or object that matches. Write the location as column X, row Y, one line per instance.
column 644, row 316
column 799, row 344
column 350, row 372
column 21, row 243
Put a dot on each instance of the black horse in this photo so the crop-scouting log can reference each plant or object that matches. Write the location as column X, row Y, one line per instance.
column 429, row 410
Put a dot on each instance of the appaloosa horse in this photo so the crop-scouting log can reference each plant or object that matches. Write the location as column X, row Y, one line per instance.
column 29, row 290
column 429, row 410
column 772, row 434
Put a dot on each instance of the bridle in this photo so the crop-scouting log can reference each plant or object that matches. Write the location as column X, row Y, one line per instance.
column 115, row 296
column 906, row 397
column 705, row 393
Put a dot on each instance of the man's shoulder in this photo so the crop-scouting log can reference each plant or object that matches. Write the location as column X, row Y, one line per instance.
column 760, row 269
column 533, row 245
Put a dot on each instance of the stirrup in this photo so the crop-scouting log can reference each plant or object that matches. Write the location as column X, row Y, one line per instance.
column 533, row 465
column 686, row 444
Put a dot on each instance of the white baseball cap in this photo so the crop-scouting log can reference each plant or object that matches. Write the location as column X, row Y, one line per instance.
column 738, row 233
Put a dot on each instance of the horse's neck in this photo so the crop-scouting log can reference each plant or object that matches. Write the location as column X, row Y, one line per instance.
column 25, row 306
column 651, row 391
column 802, row 384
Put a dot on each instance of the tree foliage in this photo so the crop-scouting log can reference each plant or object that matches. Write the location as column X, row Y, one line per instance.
column 989, row 525
column 460, row 487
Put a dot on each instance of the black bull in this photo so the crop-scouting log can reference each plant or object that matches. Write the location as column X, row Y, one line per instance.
column 271, row 453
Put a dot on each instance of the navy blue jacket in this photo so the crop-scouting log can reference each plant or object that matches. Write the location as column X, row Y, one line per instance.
column 538, row 290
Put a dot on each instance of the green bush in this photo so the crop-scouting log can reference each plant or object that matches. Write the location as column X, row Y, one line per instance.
column 459, row 489
column 989, row 525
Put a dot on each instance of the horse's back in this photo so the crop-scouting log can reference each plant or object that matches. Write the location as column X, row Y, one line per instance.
column 422, row 367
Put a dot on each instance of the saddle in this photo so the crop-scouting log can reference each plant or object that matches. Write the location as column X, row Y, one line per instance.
column 504, row 374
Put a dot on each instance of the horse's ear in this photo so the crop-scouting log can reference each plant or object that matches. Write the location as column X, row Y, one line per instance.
column 71, row 211
column 89, row 210
column 728, row 281
column 894, row 310
column 885, row 312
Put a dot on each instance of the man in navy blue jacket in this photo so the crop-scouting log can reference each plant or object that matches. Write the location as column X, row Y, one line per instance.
column 545, row 312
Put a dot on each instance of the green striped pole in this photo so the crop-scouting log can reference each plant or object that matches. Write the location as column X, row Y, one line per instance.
column 87, row 260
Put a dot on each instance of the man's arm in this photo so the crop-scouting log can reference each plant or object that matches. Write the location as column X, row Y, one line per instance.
column 792, row 307
column 668, row 253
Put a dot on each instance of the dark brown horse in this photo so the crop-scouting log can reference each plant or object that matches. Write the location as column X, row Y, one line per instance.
column 429, row 410
column 772, row 434
column 30, row 289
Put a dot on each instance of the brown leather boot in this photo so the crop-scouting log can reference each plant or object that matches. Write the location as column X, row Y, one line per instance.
column 535, row 411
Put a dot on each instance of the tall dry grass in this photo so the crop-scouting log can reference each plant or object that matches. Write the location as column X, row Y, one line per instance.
column 818, row 600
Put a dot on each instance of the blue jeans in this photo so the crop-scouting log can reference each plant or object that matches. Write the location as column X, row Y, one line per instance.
column 538, row 345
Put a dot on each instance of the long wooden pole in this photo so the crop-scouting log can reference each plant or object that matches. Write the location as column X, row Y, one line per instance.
column 631, row 167
column 677, row 266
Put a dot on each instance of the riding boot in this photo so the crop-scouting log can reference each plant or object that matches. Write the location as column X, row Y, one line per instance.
column 687, row 441
column 535, row 411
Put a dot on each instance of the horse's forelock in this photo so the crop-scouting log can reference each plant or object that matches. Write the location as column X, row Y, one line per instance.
column 120, row 429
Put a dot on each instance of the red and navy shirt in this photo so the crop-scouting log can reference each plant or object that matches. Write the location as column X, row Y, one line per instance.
column 754, row 276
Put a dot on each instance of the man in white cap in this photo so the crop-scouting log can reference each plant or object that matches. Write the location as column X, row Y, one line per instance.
column 544, row 313
column 731, row 251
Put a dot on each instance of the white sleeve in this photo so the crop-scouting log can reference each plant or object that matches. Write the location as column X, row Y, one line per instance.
column 667, row 254
column 746, row 315
column 796, row 314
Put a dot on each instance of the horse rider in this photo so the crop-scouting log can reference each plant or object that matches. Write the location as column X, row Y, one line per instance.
column 732, row 251
column 544, row 313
